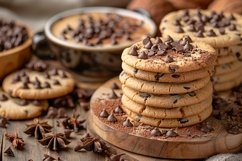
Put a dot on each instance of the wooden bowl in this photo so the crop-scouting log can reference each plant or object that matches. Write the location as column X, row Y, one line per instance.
column 15, row 58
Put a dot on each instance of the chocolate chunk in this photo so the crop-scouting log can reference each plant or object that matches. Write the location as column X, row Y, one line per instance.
column 158, row 40
column 118, row 109
column 187, row 38
column 156, row 132
column 191, row 28
column 161, row 53
column 183, row 120
column 3, row 97
column 211, row 33
column 158, row 76
column 144, row 95
column 25, row 79
column 115, row 86
column 148, row 45
column 104, row 114
column 22, row 102
column 179, row 29
column 112, row 118
column 154, row 48
column 200, row 33
column 9, row 152
column 232, row 27
column 133, row 51
column 177, row 22
column 56, row 82
column 36, row 102
column 16, row 79
column 177, row 46
column 171, row 133
column 142, row 55
column 192, row 94
column 45, row 85
column 25, row 86
column 127, row 123
column 187, row 47
column 187, row 88
column 222, row 31
column 169, row 59
column 169, row 39
column 146, row 40
column 113, row 95
column 205, row 127
column 53, row 72
column 175, row 75
column 151, row 53
column 173, row 68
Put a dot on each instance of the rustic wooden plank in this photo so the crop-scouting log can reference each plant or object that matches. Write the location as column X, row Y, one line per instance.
column 2, row 131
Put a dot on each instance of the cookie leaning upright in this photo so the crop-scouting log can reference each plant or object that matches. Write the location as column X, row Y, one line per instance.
column 38, row 81
column 220, row 30
column 177, row 91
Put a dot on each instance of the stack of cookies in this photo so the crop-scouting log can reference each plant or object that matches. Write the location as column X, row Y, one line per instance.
column 26, row 92
column 220, row 30
column 166, row 83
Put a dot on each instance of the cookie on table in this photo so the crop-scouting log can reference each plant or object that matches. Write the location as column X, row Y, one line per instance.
column 167, row 77
column 20, row 109
column 227, row 68
column 162, row 88
column 217, row 29
column 38, row 83
column 169, row 123
column 221, row 78
column 169, row 56
column 169, row 101
column 163, row 113
column 227, row 85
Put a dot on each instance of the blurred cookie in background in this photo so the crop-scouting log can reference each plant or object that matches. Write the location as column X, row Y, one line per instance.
column 157, row 9
column 185, row 4
column 234, row 6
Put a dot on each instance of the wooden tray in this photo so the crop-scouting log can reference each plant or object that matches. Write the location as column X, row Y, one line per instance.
column 187, row 146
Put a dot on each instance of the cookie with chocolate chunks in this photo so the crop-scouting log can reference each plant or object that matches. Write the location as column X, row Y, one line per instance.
column 163, row 113
column 20, row 109
column 32, row 84
column 186, row 55
column 167, row 77
column 169, row 123
column 169, row 101
column 162, row 88
column 215, row 28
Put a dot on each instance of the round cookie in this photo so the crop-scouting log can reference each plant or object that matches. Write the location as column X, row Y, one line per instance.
column 162, row 113
column 169, row 101
column 19, row 109
column 216, row 29
column 227, row 68
column 162, row 88
column 218, row 87
column 30, row 84
column 226, row 77
column 167, row 77
column 169, row 56
column 169, row 123
column 226, row 59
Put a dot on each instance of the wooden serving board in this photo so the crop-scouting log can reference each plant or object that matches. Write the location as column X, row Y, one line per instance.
column 190, row 144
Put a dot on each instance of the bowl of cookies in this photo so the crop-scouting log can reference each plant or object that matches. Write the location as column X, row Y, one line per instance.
column 15, row 46
column 90, row 40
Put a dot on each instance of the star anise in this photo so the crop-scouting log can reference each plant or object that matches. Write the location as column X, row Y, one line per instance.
column 16, row 141
column 3, row 122
column 73, row 123
column 50, row 158
column 54, row 141
column 37, row 129
column 89, row 143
